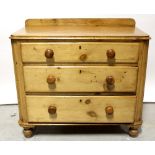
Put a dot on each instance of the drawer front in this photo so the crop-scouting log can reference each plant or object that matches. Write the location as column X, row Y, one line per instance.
column 79, row 52
column 84, row 109
column 80, row 79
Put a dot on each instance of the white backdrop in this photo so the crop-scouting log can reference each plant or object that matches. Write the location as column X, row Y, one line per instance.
column 13, row 14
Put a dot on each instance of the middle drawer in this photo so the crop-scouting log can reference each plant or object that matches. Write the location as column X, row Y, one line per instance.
column 80, row 78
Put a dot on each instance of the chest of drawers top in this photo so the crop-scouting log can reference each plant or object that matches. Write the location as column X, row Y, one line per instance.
column 81, row 29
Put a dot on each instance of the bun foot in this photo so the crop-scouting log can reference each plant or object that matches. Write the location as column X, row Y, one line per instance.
column 133, row 132
column 28, row 133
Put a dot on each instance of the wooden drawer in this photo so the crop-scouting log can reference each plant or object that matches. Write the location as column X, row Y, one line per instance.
column 80, row 52
column 80, row 78
column 84, row 109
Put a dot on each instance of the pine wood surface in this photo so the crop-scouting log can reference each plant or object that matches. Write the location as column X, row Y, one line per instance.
column 78, row 71
column 79, row 78
column 80, row 28
column 77, row 109
column 71, row 52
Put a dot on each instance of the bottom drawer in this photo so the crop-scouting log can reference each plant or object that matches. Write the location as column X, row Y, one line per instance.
column 81, row 109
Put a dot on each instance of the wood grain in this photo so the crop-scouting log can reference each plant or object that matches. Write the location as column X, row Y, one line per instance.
column 74, row 82
column 81, row 33
column 83, row 22
column 71, row 52
column 141, row 80
column 19, row 75
column 79, row 78
column 76, row 109
column 106, row 29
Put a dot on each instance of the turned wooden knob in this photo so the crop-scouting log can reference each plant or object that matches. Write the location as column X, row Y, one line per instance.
column 49, row 53
column 109, row 110
column 51, row 79
column 83, row 57
column 52, row 110
column 110, row 80
column 110, row 54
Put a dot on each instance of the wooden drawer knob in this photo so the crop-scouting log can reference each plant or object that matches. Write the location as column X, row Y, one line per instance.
column 49, row 53
column 110, row 54
column 110, row 80
column 109, row 110
column 52, row 110
column 83, row 57
column 51, row 79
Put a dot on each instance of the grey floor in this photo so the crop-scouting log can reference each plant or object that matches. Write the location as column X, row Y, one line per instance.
column 10, row 130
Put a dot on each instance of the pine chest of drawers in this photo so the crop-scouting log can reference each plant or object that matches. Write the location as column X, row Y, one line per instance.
column 80, row 72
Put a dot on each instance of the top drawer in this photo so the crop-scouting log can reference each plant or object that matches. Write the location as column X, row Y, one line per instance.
column 95, row 52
